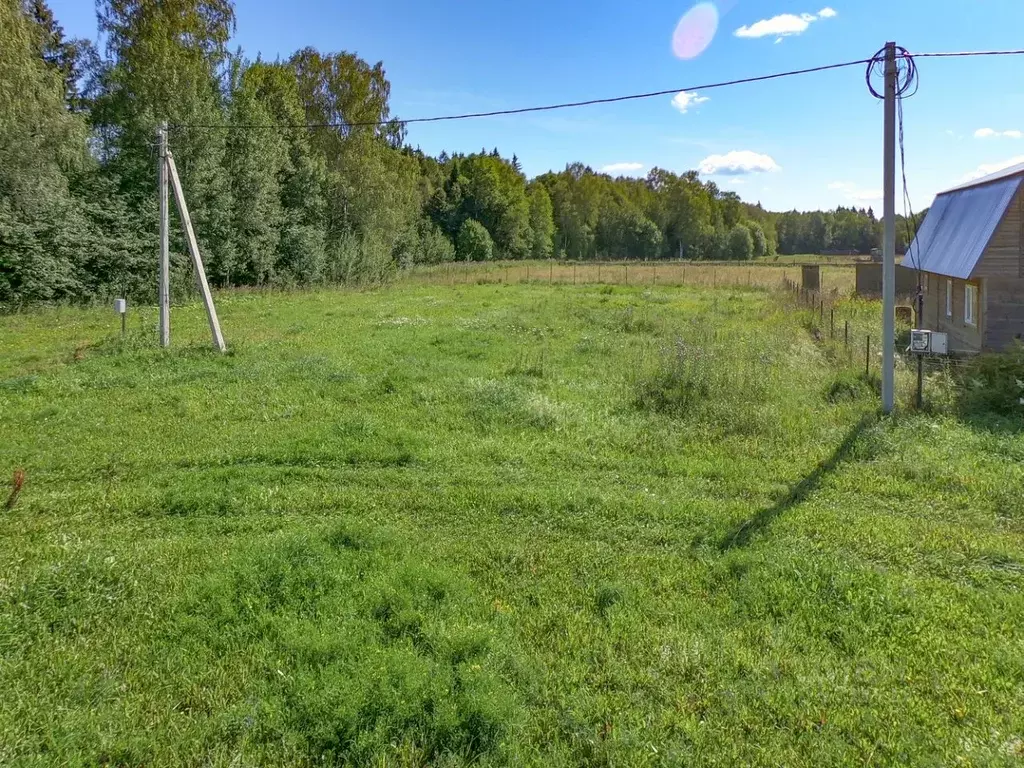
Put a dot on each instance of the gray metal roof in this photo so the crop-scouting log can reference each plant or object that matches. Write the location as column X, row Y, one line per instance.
column 1005, row 173
column 960, row 225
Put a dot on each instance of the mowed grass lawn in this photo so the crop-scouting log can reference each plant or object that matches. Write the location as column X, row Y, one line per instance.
column 496, row 525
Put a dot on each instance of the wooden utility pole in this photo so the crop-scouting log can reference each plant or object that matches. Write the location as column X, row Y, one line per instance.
column 197, row 259
column 889, row 241
column 165, row 255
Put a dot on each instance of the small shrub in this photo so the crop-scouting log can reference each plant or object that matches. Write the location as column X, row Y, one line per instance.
column 606, row 597
column 631, row 321
column 435, row 247
column 475, row 242
column 740, row 244
column 684, row 379
column 849, row 386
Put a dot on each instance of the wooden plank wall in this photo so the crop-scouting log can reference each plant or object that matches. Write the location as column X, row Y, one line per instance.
column 1002, row 270
column 1002, row 258
column 1005, row 320
column 962, row 337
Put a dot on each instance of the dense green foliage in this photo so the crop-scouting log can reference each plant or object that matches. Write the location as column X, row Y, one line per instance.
column 474, row 242
column 497, row 525
column 296, row 171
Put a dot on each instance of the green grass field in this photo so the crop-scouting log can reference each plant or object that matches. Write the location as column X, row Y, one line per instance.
column 497, row 525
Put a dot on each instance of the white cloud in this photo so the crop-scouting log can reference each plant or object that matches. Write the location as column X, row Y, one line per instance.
column 988, row 133
column 986, row 168
column 866, row 195
column 737, row 163
column 784, row 24
column 623, row 167
column 684, row 100
column 856, row 194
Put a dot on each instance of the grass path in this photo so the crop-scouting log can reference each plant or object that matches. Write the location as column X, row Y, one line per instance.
column 496, row 525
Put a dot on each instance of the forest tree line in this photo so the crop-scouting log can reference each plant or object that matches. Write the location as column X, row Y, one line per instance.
column 278, row 202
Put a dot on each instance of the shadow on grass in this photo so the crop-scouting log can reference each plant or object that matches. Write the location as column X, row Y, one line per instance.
column 743, row 533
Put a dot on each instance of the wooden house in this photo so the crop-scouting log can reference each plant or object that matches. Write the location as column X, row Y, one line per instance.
column 969, row 249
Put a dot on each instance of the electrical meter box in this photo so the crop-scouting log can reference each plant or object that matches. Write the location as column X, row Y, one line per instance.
column 929, row 343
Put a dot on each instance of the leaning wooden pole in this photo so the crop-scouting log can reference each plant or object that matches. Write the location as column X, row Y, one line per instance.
column 197, row 260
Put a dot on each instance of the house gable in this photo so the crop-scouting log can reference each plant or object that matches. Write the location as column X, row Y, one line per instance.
column 960, row 226
column 1002, row 257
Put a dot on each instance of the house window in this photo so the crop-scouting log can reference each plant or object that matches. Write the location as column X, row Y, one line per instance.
column 970, row 304
column 949, row 298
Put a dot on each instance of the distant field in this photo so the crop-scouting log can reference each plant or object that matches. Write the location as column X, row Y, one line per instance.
column 811, row 258
column 498, row 525
column 766, row 274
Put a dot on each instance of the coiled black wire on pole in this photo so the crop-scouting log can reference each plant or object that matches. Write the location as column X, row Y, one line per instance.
column 907, row 81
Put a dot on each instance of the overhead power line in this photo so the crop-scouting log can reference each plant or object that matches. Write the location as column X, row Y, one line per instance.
column 593, row 102
column 962, row 54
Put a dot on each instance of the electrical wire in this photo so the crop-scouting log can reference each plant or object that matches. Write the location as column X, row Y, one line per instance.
column 902, row 55
column 910, row 220
column 548, row 107
column 907, row 81
column 965, row 54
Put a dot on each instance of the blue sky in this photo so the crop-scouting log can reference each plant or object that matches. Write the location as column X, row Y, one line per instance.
column 807, row 142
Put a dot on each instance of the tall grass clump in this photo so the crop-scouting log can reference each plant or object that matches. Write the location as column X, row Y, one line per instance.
column 994, row 383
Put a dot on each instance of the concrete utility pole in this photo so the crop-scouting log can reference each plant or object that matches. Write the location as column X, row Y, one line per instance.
column 889, row 241
column 165, row 256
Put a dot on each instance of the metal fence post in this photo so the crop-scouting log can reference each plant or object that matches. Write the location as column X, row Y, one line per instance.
column 867, row 358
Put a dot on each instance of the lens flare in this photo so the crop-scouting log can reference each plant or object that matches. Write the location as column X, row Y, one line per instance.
column 695, row 31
